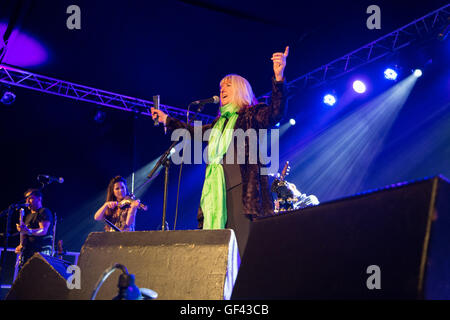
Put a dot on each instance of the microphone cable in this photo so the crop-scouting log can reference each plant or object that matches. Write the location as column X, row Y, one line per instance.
column 105, row 276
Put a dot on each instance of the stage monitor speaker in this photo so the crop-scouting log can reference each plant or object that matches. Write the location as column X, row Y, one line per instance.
column 41, row 278
column 179, row 265
column 391, row 243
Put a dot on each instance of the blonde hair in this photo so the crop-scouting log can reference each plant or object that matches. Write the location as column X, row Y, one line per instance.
column 243, row 93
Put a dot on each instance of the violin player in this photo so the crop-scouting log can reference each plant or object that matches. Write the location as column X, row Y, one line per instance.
column 123, row 217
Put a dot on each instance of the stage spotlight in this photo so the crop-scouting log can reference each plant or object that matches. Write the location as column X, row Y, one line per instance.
column 329, row 99
column 277, row 125
column 442, row 35
column 417, row 73
column 100, row 116
column 7, row 97
column 359, row 86
column 390, row 74
column 292, row 122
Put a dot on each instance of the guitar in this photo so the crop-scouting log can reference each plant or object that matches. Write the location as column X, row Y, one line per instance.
column 60, row 251
column 285, row 171
column 286, row 192
column 279, row 180
column 22, row 236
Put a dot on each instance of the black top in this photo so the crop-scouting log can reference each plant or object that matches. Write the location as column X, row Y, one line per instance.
column 39, row 243
column 256, row 198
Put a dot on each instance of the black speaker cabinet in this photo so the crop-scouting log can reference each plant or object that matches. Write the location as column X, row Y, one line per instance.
column 187, row 264
column 41, row 278
column 392, row 243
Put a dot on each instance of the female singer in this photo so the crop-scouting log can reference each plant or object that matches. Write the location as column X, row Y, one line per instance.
column 123, row 218
column 233, row 193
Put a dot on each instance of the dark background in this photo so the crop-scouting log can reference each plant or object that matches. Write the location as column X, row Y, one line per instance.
column 181, row 50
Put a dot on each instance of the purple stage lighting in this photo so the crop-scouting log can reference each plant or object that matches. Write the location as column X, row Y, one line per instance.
column 359, row 86
column 23, row 50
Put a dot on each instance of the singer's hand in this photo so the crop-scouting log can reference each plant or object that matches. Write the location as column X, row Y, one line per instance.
column 279, row 63
column 158, row 113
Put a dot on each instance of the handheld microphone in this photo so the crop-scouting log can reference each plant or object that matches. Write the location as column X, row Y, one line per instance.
column 156, row 106
column 214, row 100
column 50, row 178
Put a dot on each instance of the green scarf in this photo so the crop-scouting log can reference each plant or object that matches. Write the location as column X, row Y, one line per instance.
column 213, row 201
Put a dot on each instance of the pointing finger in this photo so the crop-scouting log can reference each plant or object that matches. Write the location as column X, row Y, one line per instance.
column 286, row 51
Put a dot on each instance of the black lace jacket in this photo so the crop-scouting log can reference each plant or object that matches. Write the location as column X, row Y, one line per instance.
column 256, row 198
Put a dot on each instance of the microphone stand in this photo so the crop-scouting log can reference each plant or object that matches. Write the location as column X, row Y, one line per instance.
column 43, row 183
column 164, row 161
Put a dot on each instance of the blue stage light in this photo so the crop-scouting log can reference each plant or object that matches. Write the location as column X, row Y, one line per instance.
column 359, row 86
column 390, row 74
column 329, row 99
column 417, row 73
column 100, row 116
column 7, row 97
column 292, row 122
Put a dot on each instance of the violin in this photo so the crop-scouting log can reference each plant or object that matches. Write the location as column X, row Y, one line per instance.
column 125, row 203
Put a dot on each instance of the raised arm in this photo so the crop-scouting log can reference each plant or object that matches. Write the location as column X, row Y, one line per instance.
column 279, row 63
column 267, row 116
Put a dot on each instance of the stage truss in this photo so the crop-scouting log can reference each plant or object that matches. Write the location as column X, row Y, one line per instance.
column 435, row 23
column 431, row 24
column 13, row 76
